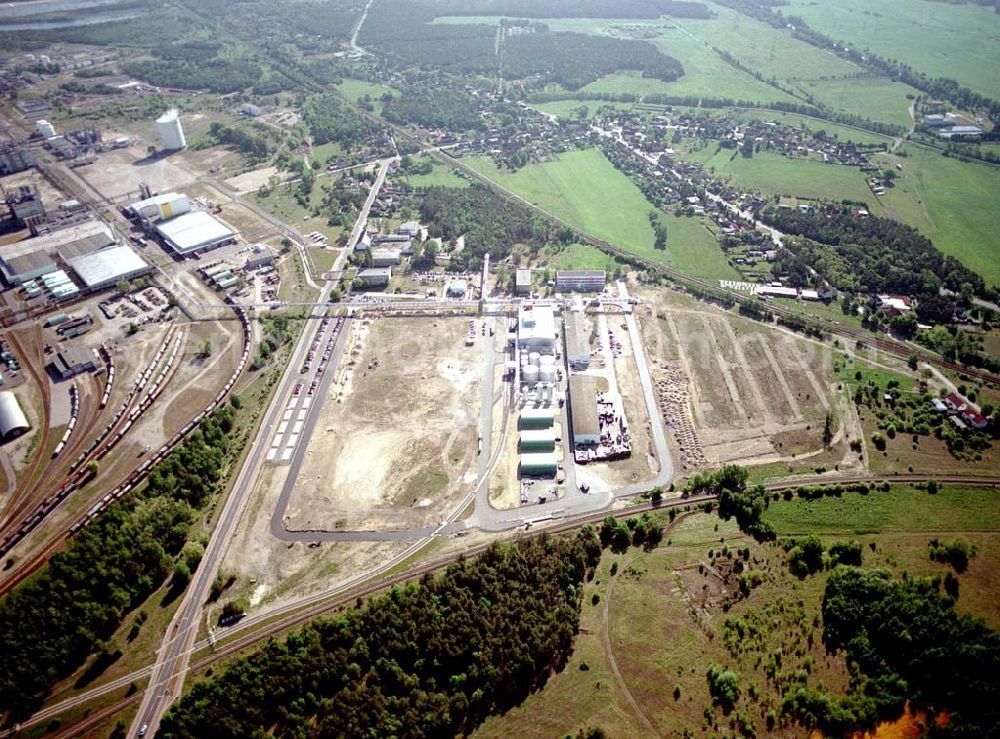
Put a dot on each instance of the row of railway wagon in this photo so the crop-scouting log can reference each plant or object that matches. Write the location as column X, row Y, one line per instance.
column 78, row 474
column 74, row 402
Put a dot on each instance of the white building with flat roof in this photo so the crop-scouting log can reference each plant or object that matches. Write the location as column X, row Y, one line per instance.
column 108, row 267
column 536, row 328
column 195, row 230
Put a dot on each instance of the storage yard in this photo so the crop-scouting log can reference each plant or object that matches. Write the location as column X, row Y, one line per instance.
column 395, row 442
column 732, row 390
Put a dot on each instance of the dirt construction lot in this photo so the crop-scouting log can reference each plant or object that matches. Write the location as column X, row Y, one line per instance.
column 395, row 444
column 733, row 390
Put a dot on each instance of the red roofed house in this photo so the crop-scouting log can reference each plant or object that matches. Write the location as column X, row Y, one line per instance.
column 955, row 402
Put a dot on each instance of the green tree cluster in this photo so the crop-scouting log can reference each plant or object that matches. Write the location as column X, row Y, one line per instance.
column 427, row 659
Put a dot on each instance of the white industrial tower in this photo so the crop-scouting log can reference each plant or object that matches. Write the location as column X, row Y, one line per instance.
column 170, row 130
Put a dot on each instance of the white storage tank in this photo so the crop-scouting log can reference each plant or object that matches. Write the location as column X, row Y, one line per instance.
column 533, row 358
column 530, row 374
column 547, row 359
column 45, row 129
column 547, row 374
column 171, row 133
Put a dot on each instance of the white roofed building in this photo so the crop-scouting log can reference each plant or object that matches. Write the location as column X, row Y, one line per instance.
column 195, row 230
column 536, row 328
column 108, row 267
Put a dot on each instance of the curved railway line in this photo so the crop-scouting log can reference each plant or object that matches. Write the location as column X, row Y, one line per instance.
column 268, row 624
column 112, row 435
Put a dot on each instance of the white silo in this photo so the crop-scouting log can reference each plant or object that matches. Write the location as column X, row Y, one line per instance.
column 45, row 129
column 530, row 374
column 547, row 359
column 547, row 374
column 533, row 358
column 171, row 132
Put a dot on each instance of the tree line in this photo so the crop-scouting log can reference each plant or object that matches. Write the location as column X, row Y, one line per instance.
column 432, row 658
column 52, row 623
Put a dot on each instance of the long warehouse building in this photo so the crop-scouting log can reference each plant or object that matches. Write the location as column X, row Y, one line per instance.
column 583, row 410
column 13, row 422
column 31, row 258
column 577, row 341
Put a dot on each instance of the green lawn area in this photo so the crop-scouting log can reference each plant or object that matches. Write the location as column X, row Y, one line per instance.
column 584, row 189
column 953, row 203
column 354, row 89
column 878, row 99
column 958, row 41
column 772, row 52
column 780, row 175
column 577, row 256
column 693, row 249
column 903, row 507
column 441, row 175
column 324, row 151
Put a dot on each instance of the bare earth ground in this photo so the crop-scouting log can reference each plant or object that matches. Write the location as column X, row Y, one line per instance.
column 252, row 181
column 395, row 444
column 757, row 395
column 122, row 171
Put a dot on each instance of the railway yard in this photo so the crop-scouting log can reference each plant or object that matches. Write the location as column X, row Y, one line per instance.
column 378, row 430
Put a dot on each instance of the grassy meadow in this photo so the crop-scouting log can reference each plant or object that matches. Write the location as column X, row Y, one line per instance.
column 953, row 203
column 584, row 189
column 652, row 622
column 958, row 41
column 878, row 99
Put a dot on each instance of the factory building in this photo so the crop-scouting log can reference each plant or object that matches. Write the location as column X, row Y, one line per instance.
column 24, row 203
column 261, row 257
column 13, row 422
column 456, row 289
column 538, row 440
column 536, row 329
column 536, row 419
column 108, row 267
column 16, row 158
column 73, row 361
column 195, row 230
column 161, row 207
column 385, row 257
column 31, row 258
column 583, row 411
column 577, row 341
column 522, row 282
column 375, row 277
column 171, row 133
column 581, row 280
column 541, row 464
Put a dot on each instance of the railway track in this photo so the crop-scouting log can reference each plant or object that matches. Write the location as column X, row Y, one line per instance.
column 115, row 432
column 275, row 622
column 890, row 346
column 23, row 489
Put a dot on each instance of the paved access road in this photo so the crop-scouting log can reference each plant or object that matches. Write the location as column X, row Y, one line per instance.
column 171, row 665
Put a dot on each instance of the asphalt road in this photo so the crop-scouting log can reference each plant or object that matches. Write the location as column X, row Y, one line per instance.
column 171, row 665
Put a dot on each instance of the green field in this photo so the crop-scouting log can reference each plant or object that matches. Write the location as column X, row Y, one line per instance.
column 584, row 189
column 953, row 203
column 834, row 130
column 577, row 256
column 694, row 250
column 953, row 508
column 442, row 175
column 706, row 73
column 770, row 51
column 354, row 89
column 958, row 41
column 780, row 175
column 877, row 99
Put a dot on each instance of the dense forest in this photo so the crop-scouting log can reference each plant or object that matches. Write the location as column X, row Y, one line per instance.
column 433, row 107
column 906, row 642
column 427, row 659
column 575, row 59
column 873, row 255
column 51, row 624
column 330, row 119
column 490, row 223
column 196, row 66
